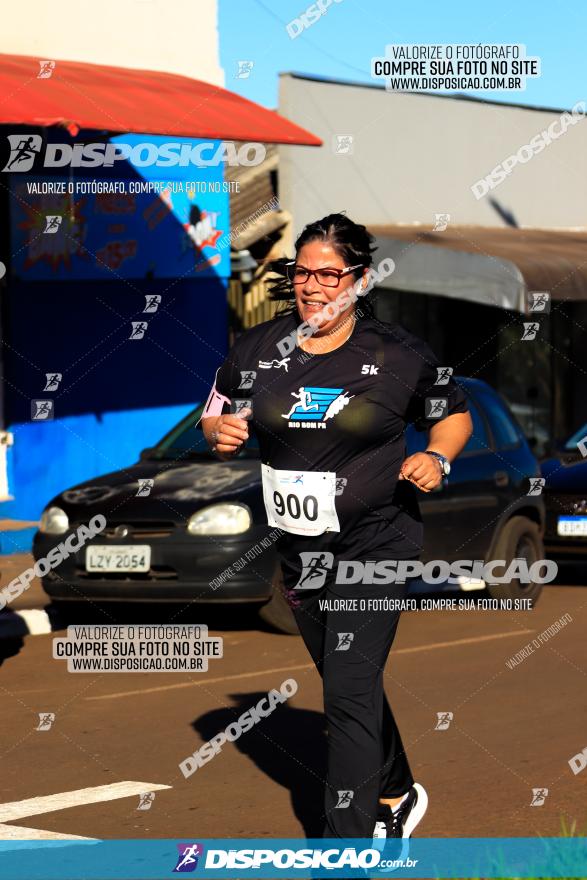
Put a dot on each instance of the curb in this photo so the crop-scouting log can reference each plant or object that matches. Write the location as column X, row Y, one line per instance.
column 28, row 622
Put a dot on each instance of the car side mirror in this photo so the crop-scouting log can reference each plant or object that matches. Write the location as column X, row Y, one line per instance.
column 145, row 453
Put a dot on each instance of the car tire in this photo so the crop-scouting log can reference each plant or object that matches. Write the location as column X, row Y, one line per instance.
column 519, row 538
column 277, row 612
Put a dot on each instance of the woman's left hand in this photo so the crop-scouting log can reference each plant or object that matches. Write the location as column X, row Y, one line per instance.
column 422, row 470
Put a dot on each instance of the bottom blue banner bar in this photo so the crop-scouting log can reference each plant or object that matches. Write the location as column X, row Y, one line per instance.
column 516, row 857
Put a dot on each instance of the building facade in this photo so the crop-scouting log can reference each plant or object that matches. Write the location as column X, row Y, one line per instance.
column 470, row 240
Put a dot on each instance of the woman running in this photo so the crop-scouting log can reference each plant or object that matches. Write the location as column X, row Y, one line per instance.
column 332, row 393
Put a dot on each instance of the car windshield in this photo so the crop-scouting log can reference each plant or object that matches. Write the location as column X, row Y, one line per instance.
column 186, row 441
column 572, row 444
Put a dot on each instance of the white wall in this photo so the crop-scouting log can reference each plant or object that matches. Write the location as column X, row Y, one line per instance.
column 177, row 36
column 414, row 156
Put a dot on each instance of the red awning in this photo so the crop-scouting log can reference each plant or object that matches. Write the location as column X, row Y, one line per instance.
column 118, row 99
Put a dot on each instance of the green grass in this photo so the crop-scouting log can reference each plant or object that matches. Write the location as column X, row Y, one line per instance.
column 570, row 830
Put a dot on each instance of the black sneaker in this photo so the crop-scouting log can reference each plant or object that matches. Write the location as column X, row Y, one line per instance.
column 401, row 822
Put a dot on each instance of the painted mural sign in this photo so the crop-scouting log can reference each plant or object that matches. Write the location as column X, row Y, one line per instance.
column 146, row 222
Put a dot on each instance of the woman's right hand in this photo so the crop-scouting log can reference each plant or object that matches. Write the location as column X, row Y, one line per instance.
column 230, row 433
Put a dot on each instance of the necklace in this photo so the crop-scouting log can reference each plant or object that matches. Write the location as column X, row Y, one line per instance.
column 342, row 342
column 348, row 336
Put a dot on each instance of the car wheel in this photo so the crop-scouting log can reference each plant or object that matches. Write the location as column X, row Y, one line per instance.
column 518, row 539
column 277, row 612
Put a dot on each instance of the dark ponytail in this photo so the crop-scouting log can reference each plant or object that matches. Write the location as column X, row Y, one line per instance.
column 351, row 241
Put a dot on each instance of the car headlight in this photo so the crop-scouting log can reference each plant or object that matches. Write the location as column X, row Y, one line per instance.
column 54, row 521
column 220, row 519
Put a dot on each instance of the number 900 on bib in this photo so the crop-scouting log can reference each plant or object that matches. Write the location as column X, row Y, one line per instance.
column 300, row 502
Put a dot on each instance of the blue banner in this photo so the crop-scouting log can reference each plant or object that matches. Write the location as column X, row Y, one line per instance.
column 290, row 858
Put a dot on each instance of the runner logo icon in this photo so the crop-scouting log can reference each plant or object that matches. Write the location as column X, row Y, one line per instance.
column 444, row 719
column 344, row 799
column 436, row 407
column 314, row 571
column 268, row 365
column 539, row 795
column 344, row 641
column 297, row 478
column 314, row 406
column 247, row 379
column 444, row 374
column 189, row 854
column 23, row 150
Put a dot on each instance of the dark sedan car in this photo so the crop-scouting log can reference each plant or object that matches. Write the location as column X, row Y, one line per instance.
column 183, row 526
column 565, row 495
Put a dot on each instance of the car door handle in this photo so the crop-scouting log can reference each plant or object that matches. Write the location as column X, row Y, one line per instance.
column 501, row 478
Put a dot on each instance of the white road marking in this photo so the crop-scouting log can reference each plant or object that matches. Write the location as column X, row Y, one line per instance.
column 416, row 649
column 185, row 684
column 28, row 622
column 470, row 641
column 18, row 832
column 38, row 622
column 61, row 801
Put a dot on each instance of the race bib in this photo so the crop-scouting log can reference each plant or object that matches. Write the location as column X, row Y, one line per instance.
column 301, row 502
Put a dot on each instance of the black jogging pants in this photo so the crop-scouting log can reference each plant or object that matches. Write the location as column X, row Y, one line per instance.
column 350, row 646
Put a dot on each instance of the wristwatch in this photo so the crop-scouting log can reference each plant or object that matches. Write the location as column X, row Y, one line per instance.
column 444, row 462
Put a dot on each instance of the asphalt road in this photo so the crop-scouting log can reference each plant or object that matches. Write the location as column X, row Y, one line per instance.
column 513, row 729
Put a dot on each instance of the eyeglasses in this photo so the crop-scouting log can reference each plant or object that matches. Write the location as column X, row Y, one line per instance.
column 325, row 277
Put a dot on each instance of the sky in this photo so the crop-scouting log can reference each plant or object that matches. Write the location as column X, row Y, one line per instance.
column 341, row 43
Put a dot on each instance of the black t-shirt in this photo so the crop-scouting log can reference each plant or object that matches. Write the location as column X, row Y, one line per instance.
column 345, row 412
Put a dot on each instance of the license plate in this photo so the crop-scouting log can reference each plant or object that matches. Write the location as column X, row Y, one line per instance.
column 130, row 557
column 572, row 526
